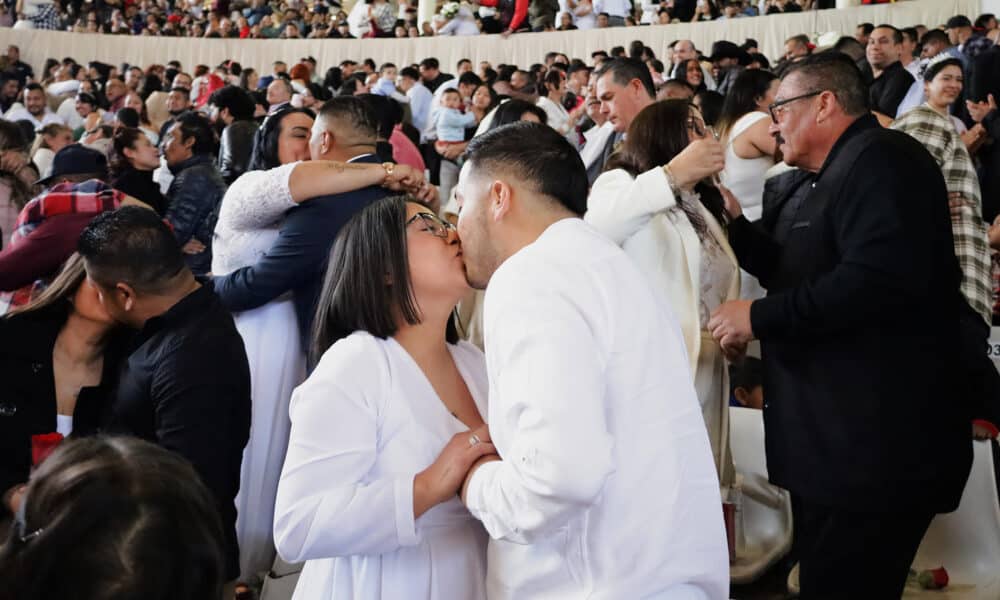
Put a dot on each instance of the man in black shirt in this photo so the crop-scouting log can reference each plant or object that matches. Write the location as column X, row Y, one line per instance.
column 892, row 80
column 21, row 70
column 430, row 73
column 186, row 384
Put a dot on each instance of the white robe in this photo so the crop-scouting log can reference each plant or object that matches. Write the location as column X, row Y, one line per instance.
column 607, row 488
column 363, row 425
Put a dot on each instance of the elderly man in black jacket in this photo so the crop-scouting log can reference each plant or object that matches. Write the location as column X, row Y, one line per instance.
column 867, row 421
column 196, row 190
column 186, row 384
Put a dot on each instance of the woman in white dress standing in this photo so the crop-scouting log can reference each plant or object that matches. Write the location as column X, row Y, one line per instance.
column 656, row 201
column 386, row 427
column 751, row 150
column 250, row 217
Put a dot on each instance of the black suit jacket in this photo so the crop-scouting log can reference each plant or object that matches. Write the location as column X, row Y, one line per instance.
column 297, row 260
column 859, row 330
column 890, row 88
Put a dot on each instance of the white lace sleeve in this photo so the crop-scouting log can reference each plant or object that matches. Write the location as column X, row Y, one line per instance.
column 257, row 199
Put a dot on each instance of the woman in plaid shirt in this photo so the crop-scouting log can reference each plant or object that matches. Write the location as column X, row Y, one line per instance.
column 931, row 124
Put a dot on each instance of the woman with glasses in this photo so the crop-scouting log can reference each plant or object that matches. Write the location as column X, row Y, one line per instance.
column 657, row 201
column 280, row 176
column 389, row 423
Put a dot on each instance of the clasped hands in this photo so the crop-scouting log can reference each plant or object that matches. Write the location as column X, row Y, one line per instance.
column 449, row 474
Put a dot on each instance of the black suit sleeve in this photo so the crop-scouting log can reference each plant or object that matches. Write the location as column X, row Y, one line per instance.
column 756, row 251
column 302, row 246
column 883, row 227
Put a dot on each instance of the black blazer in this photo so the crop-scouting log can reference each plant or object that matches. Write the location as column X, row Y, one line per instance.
column 28, row 395
column 859, row 330
column 297, row 260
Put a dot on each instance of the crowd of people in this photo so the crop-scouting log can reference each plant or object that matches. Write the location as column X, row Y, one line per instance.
column 391, row 319
column 295, row 19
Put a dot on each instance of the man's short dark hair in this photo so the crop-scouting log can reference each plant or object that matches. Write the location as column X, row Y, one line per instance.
column 538, row 157
column 836, row 72
column 866, row 28
column 353, row 112
column 461, row 62
column 470, row 78
column 127, row 117
column 235, row 99
column 800, row 39
column 32, row 87
column 411, row 73
column 599, row 53
column 911, row 33
column 935, row 35
column 193, row 125
column 430, row 63
column 181, row 90
column 897, row 35
column 624, row 70
column 131, row 245
column 385, row 66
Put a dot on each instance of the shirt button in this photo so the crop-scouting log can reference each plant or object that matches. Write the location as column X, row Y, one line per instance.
column 7, row 409
column 37, row 367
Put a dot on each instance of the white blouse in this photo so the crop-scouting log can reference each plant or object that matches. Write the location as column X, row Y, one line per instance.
column 363, row 425
column 745, row 176
column 250, row 216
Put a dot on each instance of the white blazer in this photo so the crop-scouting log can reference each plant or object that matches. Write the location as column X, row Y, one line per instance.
column 636, row 214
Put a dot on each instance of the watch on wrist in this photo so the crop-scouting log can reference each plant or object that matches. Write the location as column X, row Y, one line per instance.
column 389, row 168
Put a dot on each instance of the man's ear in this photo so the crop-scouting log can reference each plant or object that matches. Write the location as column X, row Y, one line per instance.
column 125, row 296
column 501, row 199
column 742, row 396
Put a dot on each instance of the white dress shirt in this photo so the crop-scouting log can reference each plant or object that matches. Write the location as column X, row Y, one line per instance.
column 614, row 8
column 421, row 99
column 363, row 425
column 19, row 113
column 607, row 488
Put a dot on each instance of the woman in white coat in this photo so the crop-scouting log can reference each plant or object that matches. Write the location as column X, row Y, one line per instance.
column 389, row 423
column 654, row 201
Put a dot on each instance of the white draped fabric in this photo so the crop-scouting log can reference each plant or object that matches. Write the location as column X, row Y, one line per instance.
column 770, row 31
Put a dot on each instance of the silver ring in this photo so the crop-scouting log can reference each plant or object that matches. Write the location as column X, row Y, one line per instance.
column 474, row 439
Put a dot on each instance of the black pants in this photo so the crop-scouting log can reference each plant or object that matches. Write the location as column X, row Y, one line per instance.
column 846, row 554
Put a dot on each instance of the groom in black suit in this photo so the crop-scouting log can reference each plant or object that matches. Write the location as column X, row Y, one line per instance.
column 345, row 130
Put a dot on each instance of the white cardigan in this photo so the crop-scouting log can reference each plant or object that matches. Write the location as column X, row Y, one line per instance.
column 635, row 214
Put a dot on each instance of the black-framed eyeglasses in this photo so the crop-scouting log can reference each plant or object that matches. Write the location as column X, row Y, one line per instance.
column 433, row 224
column 779, row 107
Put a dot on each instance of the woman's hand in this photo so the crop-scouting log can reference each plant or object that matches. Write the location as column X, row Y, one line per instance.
column 442, row 480
column 994, row 234
column 974, row 138
column 700, row 160
column 732, row 205
column 451, row 151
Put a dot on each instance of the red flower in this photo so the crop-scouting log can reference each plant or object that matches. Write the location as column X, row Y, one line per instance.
column 42, row 446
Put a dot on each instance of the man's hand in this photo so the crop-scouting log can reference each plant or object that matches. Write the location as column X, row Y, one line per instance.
column 979, row 110
column 730, row 326
column 193, row 246
column 974, row 138
column 482, row 461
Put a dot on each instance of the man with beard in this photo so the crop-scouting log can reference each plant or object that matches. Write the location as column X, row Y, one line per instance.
column 35, row 109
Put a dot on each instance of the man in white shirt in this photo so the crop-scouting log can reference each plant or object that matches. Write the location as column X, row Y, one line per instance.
column 606, row 487
column 616, row 10
column 35, row 109
column 420, row 98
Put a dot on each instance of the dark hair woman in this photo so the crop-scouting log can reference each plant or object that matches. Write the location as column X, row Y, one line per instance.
column 689, row 71
column 133, row 160
column 751, row 150
column 655, row 199
column 281, row 176
column 140, row 511
column 59, row 375
column 513, row 111
column 17, row 176
column 406, row 412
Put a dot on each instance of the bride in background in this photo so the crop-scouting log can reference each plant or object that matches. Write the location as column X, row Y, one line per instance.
column 280, row 176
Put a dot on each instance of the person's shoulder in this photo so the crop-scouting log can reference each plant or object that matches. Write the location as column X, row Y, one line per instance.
column 357, row 357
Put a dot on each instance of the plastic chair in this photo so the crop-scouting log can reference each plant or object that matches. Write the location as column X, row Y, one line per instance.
column 967, row 541
column 280, row 582
column 767, row 509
